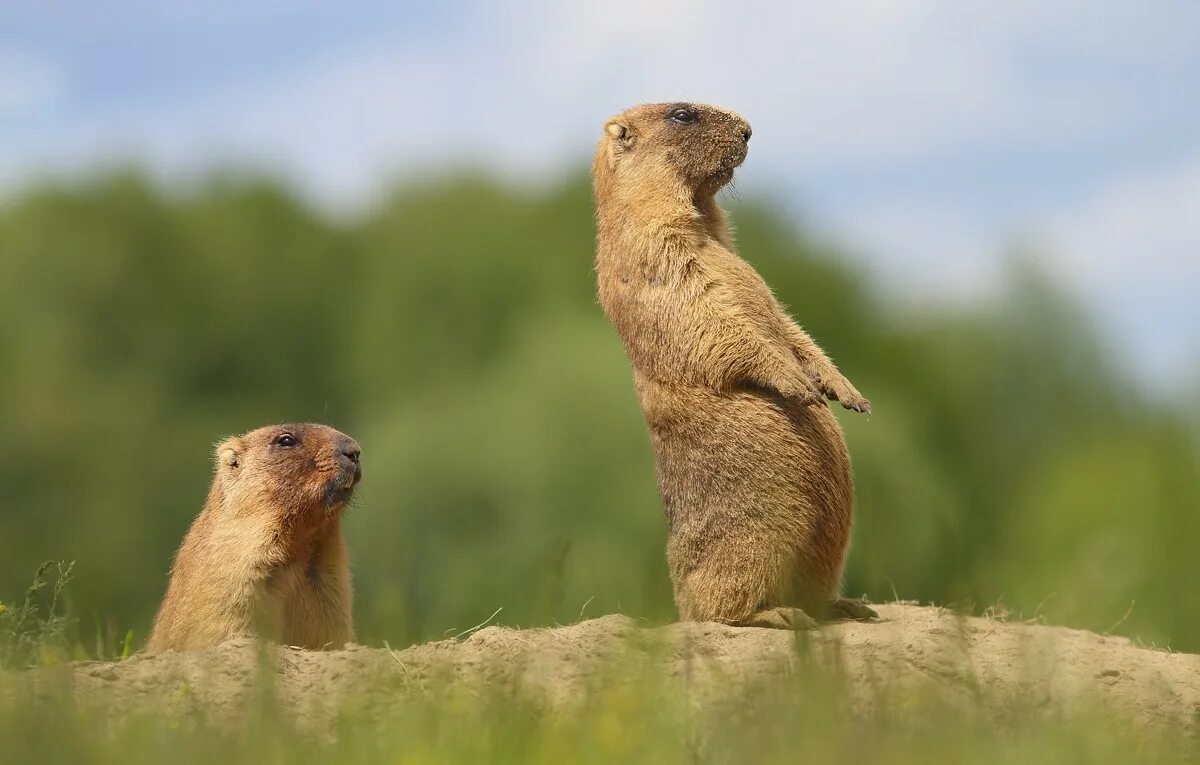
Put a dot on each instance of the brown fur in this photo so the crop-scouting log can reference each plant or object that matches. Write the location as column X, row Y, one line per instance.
column 266, row 556
column 752, row 467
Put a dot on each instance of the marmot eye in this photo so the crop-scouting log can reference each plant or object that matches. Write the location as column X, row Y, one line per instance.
column 683, row 116
column 286, row 440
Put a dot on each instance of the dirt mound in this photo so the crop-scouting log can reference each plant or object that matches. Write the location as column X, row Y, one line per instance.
column 987, row 665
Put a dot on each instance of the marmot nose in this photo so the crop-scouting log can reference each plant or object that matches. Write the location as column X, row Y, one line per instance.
column 351, row 449
column 746, row 134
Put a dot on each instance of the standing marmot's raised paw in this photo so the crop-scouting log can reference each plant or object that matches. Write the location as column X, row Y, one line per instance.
column 266, row 555
column 755, row 480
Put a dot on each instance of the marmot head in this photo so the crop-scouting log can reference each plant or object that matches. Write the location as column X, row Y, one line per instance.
column 696, row 145
column 297, row 469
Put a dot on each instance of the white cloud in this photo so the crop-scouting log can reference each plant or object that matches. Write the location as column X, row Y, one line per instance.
column 923, row 250
column 1132, row 250
column 826, row 85
column 1146, row 225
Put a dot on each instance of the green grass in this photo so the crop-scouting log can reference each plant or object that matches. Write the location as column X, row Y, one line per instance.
column 35, row 631
column 630, row 712
column 632, row 716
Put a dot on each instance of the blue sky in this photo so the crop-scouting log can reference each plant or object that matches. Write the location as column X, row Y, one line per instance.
column 931, row 139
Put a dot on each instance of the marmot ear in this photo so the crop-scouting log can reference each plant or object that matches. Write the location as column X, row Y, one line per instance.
column 623, row 135
column 227, row 455
column 622, row 140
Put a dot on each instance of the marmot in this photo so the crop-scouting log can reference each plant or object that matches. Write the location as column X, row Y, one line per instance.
column 266, row 556
column 751, row 464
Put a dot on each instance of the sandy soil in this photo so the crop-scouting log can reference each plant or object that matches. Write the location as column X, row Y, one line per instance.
column 972, row 663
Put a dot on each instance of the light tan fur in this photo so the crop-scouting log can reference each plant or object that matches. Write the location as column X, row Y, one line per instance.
column 752, row 467
column 266, row 556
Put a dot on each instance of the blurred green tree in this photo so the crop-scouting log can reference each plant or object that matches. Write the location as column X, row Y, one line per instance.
column 454, row 332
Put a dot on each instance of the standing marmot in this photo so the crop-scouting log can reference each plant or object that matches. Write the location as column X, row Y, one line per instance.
column 752, row 467
column 266, row 555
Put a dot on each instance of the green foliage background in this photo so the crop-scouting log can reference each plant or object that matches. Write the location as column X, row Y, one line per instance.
column 455, row 333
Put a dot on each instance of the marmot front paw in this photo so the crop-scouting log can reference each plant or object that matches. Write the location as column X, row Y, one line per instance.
column 804, row 390
column 839, row 389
